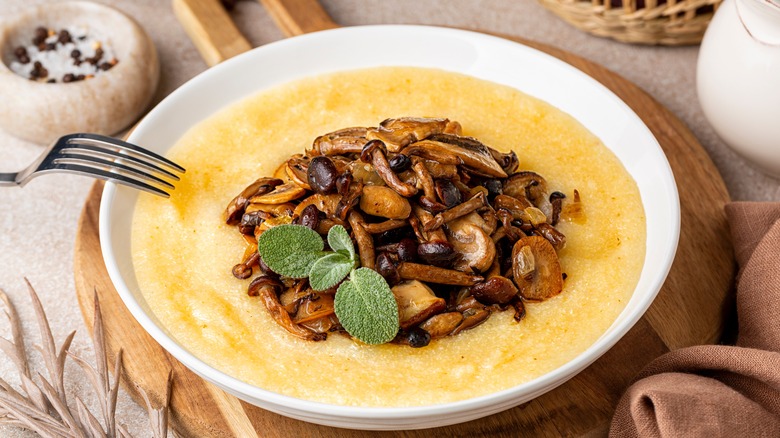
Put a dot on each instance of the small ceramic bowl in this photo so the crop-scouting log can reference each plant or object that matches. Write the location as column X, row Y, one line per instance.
column 478, row 55
column 41, row 112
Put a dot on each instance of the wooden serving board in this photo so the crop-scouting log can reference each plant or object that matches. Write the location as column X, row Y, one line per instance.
column 691, row 308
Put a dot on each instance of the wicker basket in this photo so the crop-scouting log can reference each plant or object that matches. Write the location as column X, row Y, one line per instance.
column 666, row 22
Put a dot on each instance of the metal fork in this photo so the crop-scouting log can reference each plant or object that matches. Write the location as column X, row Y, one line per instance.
column 102, row 157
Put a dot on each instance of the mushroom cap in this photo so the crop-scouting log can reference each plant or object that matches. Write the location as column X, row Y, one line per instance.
column 536, row 268
column 280, row 194
column 416, row 302
column 476, row 248
column 494, row 290
column 384, row 202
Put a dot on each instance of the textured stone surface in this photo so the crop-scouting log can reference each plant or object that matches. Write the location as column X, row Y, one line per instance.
column 38, row 222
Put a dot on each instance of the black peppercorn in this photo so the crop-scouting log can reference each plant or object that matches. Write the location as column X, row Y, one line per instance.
column 418, row 337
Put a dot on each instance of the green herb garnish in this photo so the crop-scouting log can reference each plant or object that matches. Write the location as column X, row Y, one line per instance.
column 364, row 304
column 290, row 250
column 366, row 307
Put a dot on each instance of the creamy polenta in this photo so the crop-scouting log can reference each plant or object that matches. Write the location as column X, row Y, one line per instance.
column 183, row 252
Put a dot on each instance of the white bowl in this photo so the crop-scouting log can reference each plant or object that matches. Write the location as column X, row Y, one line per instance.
column 474, row 54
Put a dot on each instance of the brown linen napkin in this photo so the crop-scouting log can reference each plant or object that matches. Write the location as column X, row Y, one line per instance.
column 719, row 390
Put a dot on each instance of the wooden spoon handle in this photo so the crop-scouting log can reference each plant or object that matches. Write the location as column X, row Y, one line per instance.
column 211, row 29
column 297, row 17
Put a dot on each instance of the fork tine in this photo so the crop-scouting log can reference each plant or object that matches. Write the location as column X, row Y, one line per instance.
column 110, row 142
column 88, row 150
column 102, row 174
column 94, row 162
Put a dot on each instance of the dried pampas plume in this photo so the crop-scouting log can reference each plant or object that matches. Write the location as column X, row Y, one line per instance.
column 41, row 405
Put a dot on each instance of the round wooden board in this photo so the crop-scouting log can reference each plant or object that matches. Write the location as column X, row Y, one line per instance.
column 689, row 310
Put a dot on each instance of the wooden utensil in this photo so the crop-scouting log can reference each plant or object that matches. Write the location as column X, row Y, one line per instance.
column 689, row 309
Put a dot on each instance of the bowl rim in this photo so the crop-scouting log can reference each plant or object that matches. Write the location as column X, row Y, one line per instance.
column 624, row 322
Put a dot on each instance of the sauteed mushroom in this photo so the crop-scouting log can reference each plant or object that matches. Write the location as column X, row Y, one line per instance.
column 416, row 302
column 374, row 152
column 433, row 274
column 341, row 142
column 532, row 186
column 474, row 154
column 397, row 133
column 437, row 214
column 236, row 207
column 384, row 202
column 476, row 248
column 280, row 194
column 267, row 289
column 536, row 269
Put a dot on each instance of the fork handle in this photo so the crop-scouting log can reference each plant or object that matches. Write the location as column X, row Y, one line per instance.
column 8, row 179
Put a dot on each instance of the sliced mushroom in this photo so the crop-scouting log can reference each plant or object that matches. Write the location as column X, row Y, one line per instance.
column 431, row 205
column 449, row 195
column 476, row 248
column 297, row 170
column 520, row 208
column 350, row 192
column 384, row 202
column 508, row 161
column 433, row 274
column 434, row 247
column 532, row 186
column 472, row 318
column 516, row 203
column 375, row 152
column 495, row 290
column 416, row 303
column 314, row 306
column 519, row 307
column 324, row 203
column 425, row 149
column 281, row 173
column 381, row 227
column 476, row 202
column 341, row 142
column 556, row 199
column 555, row 237
column 272, row 209
column 487, row 221
column 453, row 127
column 280, row 195
column 397, row 133
column 536, row 269
column 424, row 180
column 441, row 325
column 475, row 155
column 235, row 208
column 267, row 289
column 439, row 170
column 364, row 240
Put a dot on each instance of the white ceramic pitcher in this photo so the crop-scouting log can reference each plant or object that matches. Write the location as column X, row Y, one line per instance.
column 738, row 78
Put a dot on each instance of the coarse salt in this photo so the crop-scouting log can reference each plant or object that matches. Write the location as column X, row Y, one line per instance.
column 59, row 62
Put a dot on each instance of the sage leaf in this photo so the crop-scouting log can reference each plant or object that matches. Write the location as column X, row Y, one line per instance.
column 290, row 250
column 339, row 241
column 329, row 270
column 366, row 307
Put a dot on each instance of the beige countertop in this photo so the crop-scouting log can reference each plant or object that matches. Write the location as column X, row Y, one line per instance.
column 38, row 222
